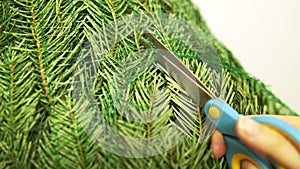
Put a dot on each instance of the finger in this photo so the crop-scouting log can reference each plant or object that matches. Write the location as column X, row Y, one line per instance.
column 268, row 141
column 245, row 164
column 218, row 144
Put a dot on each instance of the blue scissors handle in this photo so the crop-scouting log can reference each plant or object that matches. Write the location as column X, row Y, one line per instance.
column 219, row 112
column 224, row 118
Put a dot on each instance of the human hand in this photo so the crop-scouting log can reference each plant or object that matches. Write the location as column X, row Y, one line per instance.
column 264, row 140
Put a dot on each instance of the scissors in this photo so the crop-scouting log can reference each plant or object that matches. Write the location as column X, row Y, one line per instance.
column 222, row 115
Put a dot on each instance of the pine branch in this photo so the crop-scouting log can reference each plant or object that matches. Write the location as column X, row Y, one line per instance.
column 41, row 44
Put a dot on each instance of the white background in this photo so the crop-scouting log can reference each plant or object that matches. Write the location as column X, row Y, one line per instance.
column 264, row 35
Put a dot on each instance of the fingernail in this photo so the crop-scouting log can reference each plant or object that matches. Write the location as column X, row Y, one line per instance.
column 245, row 164
column 249, row 126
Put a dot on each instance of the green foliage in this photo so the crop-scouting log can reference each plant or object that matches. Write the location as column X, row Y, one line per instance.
column 40, row 42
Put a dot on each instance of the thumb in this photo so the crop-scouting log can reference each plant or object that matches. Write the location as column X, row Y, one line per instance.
column 268, row 141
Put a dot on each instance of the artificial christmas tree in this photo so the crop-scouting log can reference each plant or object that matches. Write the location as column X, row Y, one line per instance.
column 40, row 43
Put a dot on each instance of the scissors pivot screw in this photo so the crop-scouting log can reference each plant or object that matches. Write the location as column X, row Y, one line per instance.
column 214, row 113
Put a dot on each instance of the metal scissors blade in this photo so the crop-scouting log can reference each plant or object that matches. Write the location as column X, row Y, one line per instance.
column 182, row 75
column 223, row 116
